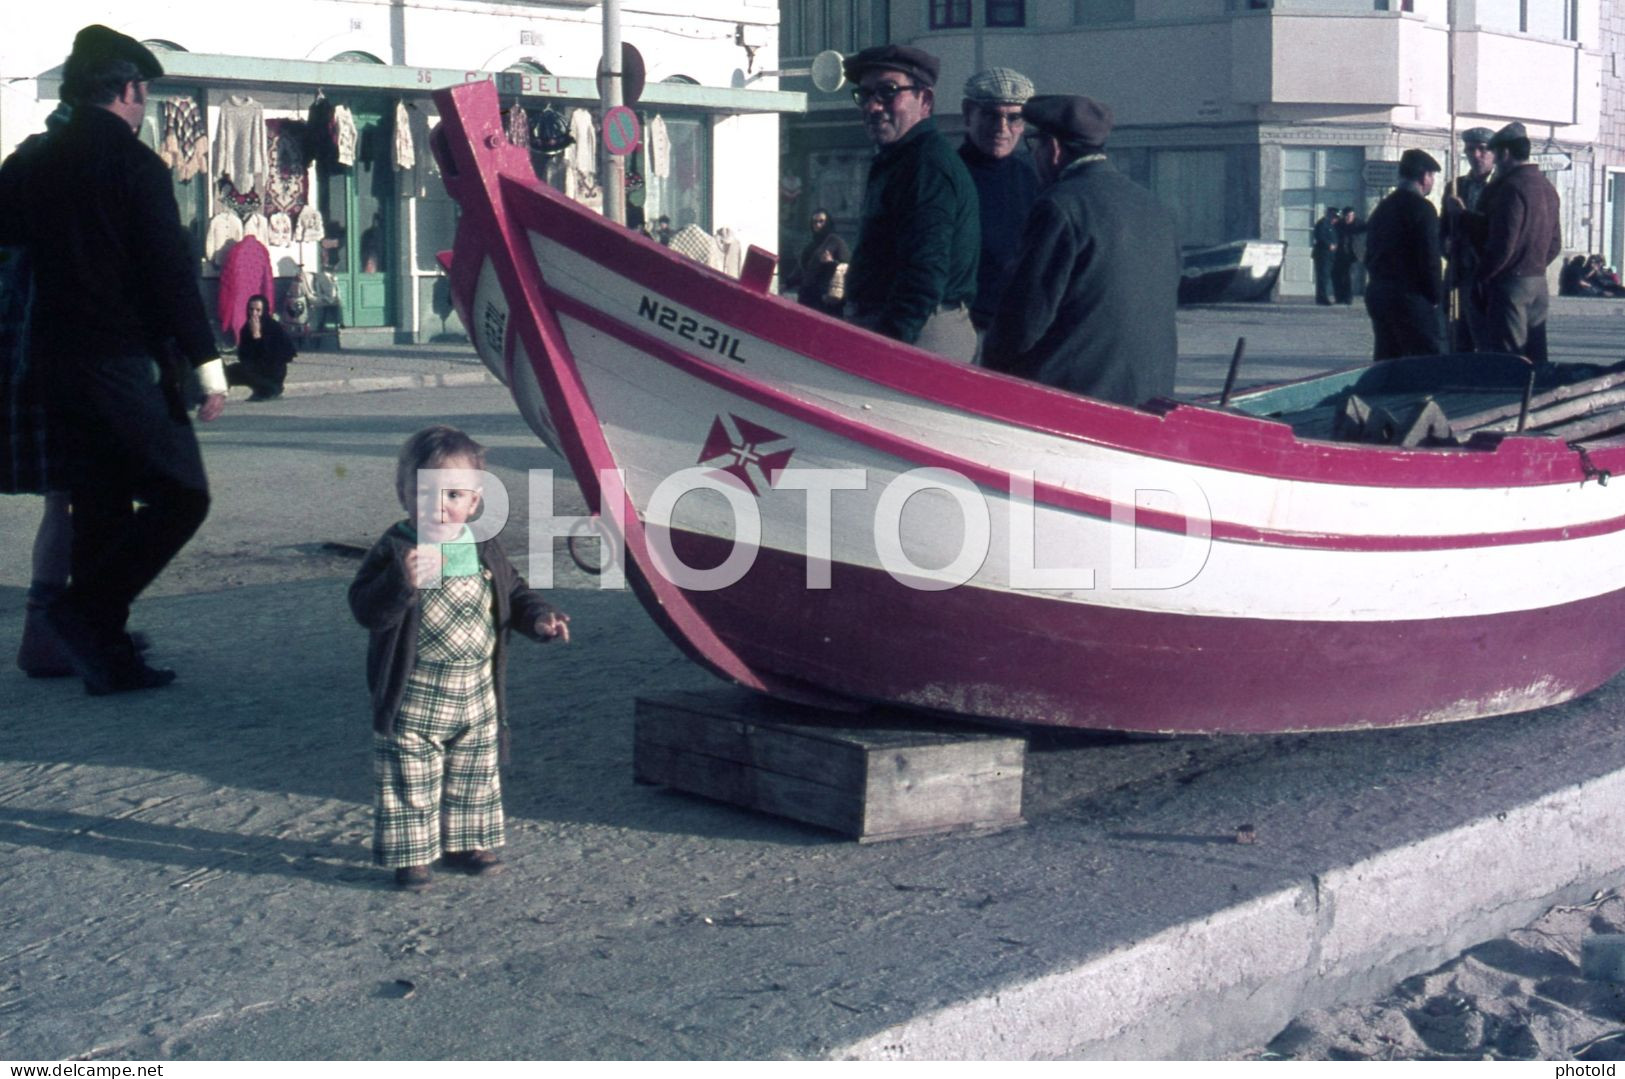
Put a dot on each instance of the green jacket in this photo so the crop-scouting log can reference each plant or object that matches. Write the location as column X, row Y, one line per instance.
column 920, row 238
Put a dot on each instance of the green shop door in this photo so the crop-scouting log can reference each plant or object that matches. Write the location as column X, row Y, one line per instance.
column 358, row 205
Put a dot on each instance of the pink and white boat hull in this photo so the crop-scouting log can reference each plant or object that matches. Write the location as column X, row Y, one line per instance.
column 932, row 534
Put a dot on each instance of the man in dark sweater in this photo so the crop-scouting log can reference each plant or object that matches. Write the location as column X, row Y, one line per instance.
column 913, row 271
column 1090, row 305
column 116, row 290
column 1522, row 234
column 1460, row 248
column 1402, row 264
column 1006, row 184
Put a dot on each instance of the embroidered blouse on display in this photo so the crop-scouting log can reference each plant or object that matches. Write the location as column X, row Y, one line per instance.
column 344, row 134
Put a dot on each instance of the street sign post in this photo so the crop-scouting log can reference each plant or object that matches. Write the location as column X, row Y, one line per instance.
column 1380, row 173
column 621, row 131
column 633, row 74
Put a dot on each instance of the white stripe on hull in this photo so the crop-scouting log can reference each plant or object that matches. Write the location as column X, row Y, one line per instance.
column 657, row 423
column 1262, row 502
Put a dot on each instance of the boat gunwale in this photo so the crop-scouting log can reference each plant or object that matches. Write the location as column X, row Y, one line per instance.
column 1188, row 432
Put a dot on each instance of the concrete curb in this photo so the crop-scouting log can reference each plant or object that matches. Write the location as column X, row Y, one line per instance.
column 1235, row 978
column 375, row 384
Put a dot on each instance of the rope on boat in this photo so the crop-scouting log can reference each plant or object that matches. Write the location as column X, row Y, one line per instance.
column 570, row 545
column 1588, row 469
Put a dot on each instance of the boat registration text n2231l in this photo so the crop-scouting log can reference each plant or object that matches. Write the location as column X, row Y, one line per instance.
column 690, row 328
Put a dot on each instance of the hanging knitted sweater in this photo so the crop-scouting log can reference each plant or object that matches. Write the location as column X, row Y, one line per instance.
column 239, row 143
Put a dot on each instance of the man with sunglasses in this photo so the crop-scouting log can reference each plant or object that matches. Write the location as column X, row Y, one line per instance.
column 1006, row 184
column 913, row 272
column 1090, row 306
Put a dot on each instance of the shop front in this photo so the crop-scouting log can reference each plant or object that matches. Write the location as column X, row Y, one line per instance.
column 326, row 167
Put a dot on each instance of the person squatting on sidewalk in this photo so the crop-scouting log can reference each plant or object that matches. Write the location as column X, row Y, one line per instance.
column 439, row 606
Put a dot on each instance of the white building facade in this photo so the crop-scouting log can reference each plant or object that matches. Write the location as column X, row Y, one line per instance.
column 1248, row 117
column 714, row 163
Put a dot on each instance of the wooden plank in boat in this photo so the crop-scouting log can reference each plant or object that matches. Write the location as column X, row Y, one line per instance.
column 872, row 776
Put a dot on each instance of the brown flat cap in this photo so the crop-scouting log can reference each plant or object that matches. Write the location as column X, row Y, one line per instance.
column 1508, row 135
column 920, row 66
column 97, row 44
column 1071, row 120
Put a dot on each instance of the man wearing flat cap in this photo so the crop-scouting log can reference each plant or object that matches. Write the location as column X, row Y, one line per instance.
column 1467, row 317
column 1518, row 228
column 1006, row 185
column 1090, row 305
column 913, row 271
column 1403, row 290
column 115, row 290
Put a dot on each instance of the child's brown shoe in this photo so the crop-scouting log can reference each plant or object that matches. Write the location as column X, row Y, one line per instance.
column 480, row 863
column 413, row 878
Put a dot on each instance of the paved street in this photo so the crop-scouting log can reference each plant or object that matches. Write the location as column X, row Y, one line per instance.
column 186, row 874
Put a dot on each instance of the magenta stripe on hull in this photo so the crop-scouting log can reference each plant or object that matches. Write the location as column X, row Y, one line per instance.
column 1033, row 660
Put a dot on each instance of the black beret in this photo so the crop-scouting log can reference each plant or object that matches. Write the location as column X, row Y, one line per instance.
column 1417, row 163
column 1509, row 135
column 96, row 45
column 919, row 65
column 1077, row 121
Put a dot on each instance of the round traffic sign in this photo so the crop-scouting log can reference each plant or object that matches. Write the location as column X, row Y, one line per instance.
column 620, row 130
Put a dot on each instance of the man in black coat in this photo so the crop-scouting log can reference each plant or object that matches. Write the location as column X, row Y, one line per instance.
column 1323, row 252
column 1402, row 264
column 1090, row 303
column 116, row 296
column 1460, row 248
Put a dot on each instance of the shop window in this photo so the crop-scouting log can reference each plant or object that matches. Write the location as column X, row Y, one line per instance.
column 674, row 165
column 950, row 14
column 189, row 180
column 1006, row 13
column 437, row 214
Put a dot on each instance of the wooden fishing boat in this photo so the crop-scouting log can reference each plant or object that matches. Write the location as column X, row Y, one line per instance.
column 864, row 522
column 1245, row 271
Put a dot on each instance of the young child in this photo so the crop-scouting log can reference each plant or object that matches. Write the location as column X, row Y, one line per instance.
column 439, row 607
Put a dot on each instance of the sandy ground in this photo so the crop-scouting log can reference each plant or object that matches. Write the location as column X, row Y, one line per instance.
column 1521, row 997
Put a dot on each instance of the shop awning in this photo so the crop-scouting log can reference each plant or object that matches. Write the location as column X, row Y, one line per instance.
column 218, row 69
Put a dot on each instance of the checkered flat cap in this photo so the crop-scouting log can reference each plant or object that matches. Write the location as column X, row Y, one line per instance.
column 998, row 86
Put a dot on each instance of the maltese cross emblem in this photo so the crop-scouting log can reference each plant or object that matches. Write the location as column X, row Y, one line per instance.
column 748, row 451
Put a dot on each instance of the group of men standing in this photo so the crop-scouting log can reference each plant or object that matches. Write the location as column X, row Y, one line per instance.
column 1051, row 266
column 1502, row 228
column 1333, row 255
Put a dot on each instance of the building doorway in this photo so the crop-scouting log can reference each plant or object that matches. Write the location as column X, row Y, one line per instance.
column 1313, row 178
column 358, row 205
column 1613, row 220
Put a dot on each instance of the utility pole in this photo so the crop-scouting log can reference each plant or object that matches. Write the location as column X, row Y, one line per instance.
column 614, row 165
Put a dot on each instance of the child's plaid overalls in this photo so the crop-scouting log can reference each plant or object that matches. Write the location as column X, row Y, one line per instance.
column 437, row 779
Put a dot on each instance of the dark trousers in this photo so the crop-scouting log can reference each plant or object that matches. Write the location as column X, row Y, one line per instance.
column 1403, row 323
column 1343, row 280
column 136, row 482
column 264, row 379
column 1323, row 276
column 1515, row 316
